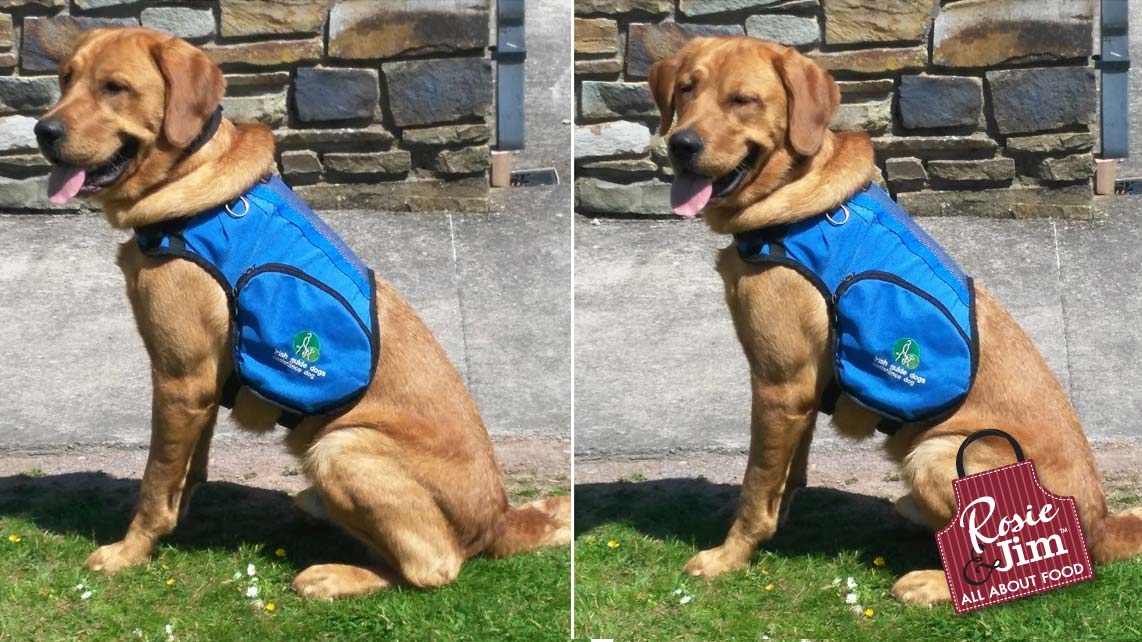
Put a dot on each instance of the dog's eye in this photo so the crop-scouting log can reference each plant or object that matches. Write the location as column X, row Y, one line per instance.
column 685, row 87
column 112, row 87
column 742, row 99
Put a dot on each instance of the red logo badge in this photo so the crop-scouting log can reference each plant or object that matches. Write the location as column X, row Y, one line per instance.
column 1009, row 538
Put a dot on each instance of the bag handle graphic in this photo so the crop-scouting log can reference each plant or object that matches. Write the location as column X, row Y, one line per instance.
column 990, row 432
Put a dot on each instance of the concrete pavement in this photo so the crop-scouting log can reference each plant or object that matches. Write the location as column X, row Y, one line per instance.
column 495, row 290
column 658, row 367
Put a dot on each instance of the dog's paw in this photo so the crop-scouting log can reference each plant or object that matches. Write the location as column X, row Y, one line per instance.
column 114, row 557
column 715, row 561
column 922, row 587
column 338, row 580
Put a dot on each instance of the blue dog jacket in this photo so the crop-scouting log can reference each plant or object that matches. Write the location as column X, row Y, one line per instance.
column 902, row 313
column 302, row 305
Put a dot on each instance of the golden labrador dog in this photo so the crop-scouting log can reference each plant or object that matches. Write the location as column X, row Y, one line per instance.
column 752, row 148
column 409, row 469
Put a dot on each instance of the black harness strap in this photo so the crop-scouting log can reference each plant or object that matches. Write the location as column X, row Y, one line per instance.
column 230, row 390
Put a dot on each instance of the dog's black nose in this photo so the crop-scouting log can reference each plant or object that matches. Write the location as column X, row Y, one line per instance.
column 685, row 146
column 49, row 132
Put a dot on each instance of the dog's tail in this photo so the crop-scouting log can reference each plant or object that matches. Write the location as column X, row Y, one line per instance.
column 546, row 522
column 1120, row 537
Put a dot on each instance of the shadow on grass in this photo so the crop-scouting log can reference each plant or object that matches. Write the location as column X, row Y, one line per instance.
column 822, row 521
column 222, row 516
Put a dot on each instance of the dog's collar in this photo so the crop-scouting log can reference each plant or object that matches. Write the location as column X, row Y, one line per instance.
column 750, row 241
column 207, row 132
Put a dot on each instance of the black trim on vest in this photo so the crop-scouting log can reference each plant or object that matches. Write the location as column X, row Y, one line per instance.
column 230, row 390
column 775, row 237
column 289, row 420
column 830, row 396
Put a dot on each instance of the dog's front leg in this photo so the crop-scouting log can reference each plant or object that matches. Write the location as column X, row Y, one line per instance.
column 782, row 421
column 184, row 410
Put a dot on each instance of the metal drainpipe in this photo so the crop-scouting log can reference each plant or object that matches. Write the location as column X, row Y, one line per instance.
column 510, row 54
column 1114, row 67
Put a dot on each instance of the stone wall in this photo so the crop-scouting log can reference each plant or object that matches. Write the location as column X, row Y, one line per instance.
column 976, row 107
column 373, row 104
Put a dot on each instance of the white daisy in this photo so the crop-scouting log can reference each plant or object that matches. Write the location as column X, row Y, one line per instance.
column 686, row 599
column 250, row 570
column 851, row 583
column 86, row 595
column 851, row 598
column 252, row 591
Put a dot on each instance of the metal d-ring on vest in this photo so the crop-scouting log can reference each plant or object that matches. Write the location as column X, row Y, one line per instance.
column 829, row 217
column 245, row 211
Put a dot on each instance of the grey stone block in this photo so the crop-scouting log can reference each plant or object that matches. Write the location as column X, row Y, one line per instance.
column 333, row 139
column 648, row 197
column 268, row 109
column 16, row 134
column 34, row 94
column 649, row 43
column 610, row 100
column 905, row 173
column 335, row 94
column 1029, row 100
column 467, row 160
column 874, row 61
column 449, row 135
column 991, row 170
column 184, row 22
column 1077, row 167
column 267, row 53
column 863, row 21
column 1010, row 202
column 694, row 8
column 7, row 33
column 259, row 17
column 47, row 41
column 940, row 101
column 873, row 117
column 617, row 138
column 301, row 165
column 587, row 7
column 985, row 33
column 928, row 146
column 367, row 29
column 620, row 171
column 1050, row 143
column 392, row 163
column 795, row 31
column 428, row 92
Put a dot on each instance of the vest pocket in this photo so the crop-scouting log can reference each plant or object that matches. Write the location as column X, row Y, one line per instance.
column 899, row 351
column 298, row 342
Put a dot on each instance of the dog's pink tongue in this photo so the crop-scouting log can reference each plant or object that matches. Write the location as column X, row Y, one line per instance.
column 689, row 194
column 64, row 183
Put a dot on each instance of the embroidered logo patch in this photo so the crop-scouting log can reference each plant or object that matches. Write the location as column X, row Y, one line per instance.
column 307, row 346
column 906, row 353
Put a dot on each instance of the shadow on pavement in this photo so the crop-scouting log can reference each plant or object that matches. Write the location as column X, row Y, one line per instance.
column 222, row 515
column 822, row 521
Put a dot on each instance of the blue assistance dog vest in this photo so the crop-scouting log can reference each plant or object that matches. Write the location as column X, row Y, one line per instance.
column 902, row 313
column 302, row 305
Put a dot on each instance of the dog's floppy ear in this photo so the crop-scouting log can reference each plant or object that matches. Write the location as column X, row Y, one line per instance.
column 194, row 88
column 813, row 100
column 663, row 75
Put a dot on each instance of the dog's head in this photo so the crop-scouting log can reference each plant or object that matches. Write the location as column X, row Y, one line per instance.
column 132, row 101
column 747, row 110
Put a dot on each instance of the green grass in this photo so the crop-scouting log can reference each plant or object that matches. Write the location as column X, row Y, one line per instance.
column 61, row 519
column 628, row 592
